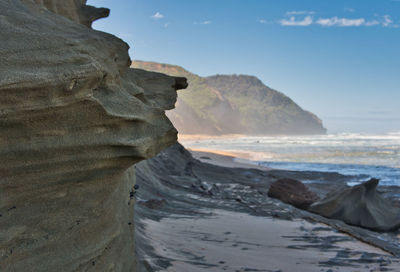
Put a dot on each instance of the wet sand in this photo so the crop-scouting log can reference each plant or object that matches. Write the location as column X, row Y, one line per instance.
column 226, row 159
column 198, row 216
column 231, row 241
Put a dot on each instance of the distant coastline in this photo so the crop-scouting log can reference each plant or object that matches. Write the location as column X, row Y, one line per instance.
column 234, row 104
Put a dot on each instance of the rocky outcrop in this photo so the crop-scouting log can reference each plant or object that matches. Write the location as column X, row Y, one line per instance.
column 293, row 192
column 360, row 205
column 74, row 119
column 75, row 10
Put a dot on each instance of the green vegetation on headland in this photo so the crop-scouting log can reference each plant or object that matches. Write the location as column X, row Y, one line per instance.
column 234, row 104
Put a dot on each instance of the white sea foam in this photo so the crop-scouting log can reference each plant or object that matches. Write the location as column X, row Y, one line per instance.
column 347, row 153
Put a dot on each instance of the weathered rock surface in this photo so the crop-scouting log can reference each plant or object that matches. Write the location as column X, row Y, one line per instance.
column 153, row 203
column 360, row 205
column 74, row 118
column 75, row 10
column 293, row 192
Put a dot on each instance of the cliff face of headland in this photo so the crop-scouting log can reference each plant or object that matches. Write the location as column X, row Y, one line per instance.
column 234, row 104
column 74, row 119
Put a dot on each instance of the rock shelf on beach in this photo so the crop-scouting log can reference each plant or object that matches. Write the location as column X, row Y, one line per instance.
column 219, row 208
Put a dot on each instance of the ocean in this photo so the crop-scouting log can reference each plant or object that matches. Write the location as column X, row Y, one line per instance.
column 360, row 155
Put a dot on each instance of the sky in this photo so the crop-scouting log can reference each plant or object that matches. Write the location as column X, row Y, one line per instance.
column 336, row 58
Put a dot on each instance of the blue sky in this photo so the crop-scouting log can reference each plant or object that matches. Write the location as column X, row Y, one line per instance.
column 339, row 59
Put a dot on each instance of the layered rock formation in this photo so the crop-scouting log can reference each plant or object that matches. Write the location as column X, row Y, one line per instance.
column 75, row 10
column 360, row 205
column 234, row 104
column 74, row 119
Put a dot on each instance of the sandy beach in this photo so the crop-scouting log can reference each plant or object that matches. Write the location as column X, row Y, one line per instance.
column 226, row 159
column 230, row 241
column 204, row 211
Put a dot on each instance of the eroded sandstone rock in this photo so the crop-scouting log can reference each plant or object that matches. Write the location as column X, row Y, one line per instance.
column 360, row 205
column 75, row 10
column 74, row 118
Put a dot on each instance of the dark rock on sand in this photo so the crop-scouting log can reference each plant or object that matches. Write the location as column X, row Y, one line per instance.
column 360, row 205
column 293, row 192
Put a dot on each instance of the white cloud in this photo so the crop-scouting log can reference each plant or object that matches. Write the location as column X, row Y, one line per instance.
column 203, row 23
column 372, row 23
column 304, row 18
column 299, row 12
column 262, row 21
column 167, row 24
column 387, row 21
column 157, row 16
column 292, row 21
column 343, row 22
